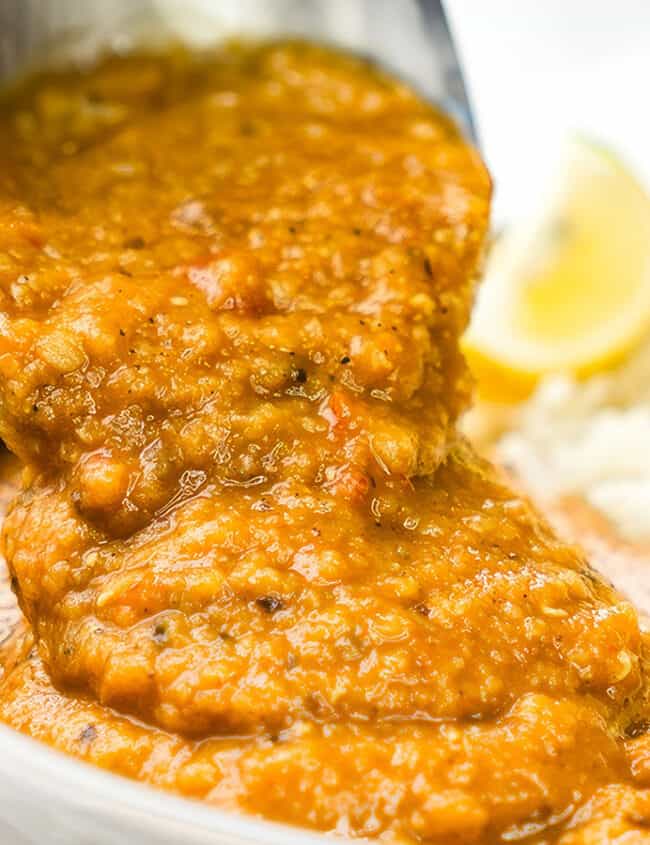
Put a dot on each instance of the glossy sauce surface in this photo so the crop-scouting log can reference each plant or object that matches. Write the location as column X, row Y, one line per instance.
column 258, row 564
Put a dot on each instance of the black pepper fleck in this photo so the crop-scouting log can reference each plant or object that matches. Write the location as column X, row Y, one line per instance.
column 160, row 633
column 637, row 728
column 88, row 734
column 270, row 603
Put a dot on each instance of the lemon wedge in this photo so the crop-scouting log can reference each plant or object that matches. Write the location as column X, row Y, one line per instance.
column 569, row 289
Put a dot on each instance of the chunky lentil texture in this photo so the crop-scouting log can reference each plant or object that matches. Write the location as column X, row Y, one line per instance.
column 210, row 266
column 257, row 564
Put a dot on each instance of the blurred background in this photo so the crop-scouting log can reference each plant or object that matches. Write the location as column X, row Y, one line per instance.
column 560, row 337
column 540, row 71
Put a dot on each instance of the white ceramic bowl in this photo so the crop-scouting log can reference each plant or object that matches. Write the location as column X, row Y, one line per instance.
column 46, row 797
column 49, row 799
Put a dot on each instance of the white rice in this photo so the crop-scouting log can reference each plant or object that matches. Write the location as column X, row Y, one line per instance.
column 591, row 439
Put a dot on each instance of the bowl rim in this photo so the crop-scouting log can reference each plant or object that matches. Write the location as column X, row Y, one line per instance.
column 59, row 774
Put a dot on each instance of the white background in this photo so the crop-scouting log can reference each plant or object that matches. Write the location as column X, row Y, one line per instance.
column 539, row 70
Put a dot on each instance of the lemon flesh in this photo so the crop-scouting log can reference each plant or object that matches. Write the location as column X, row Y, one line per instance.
column 569, row 290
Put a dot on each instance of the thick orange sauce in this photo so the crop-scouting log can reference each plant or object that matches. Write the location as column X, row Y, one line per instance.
column 257, row 563
column 9, row 613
